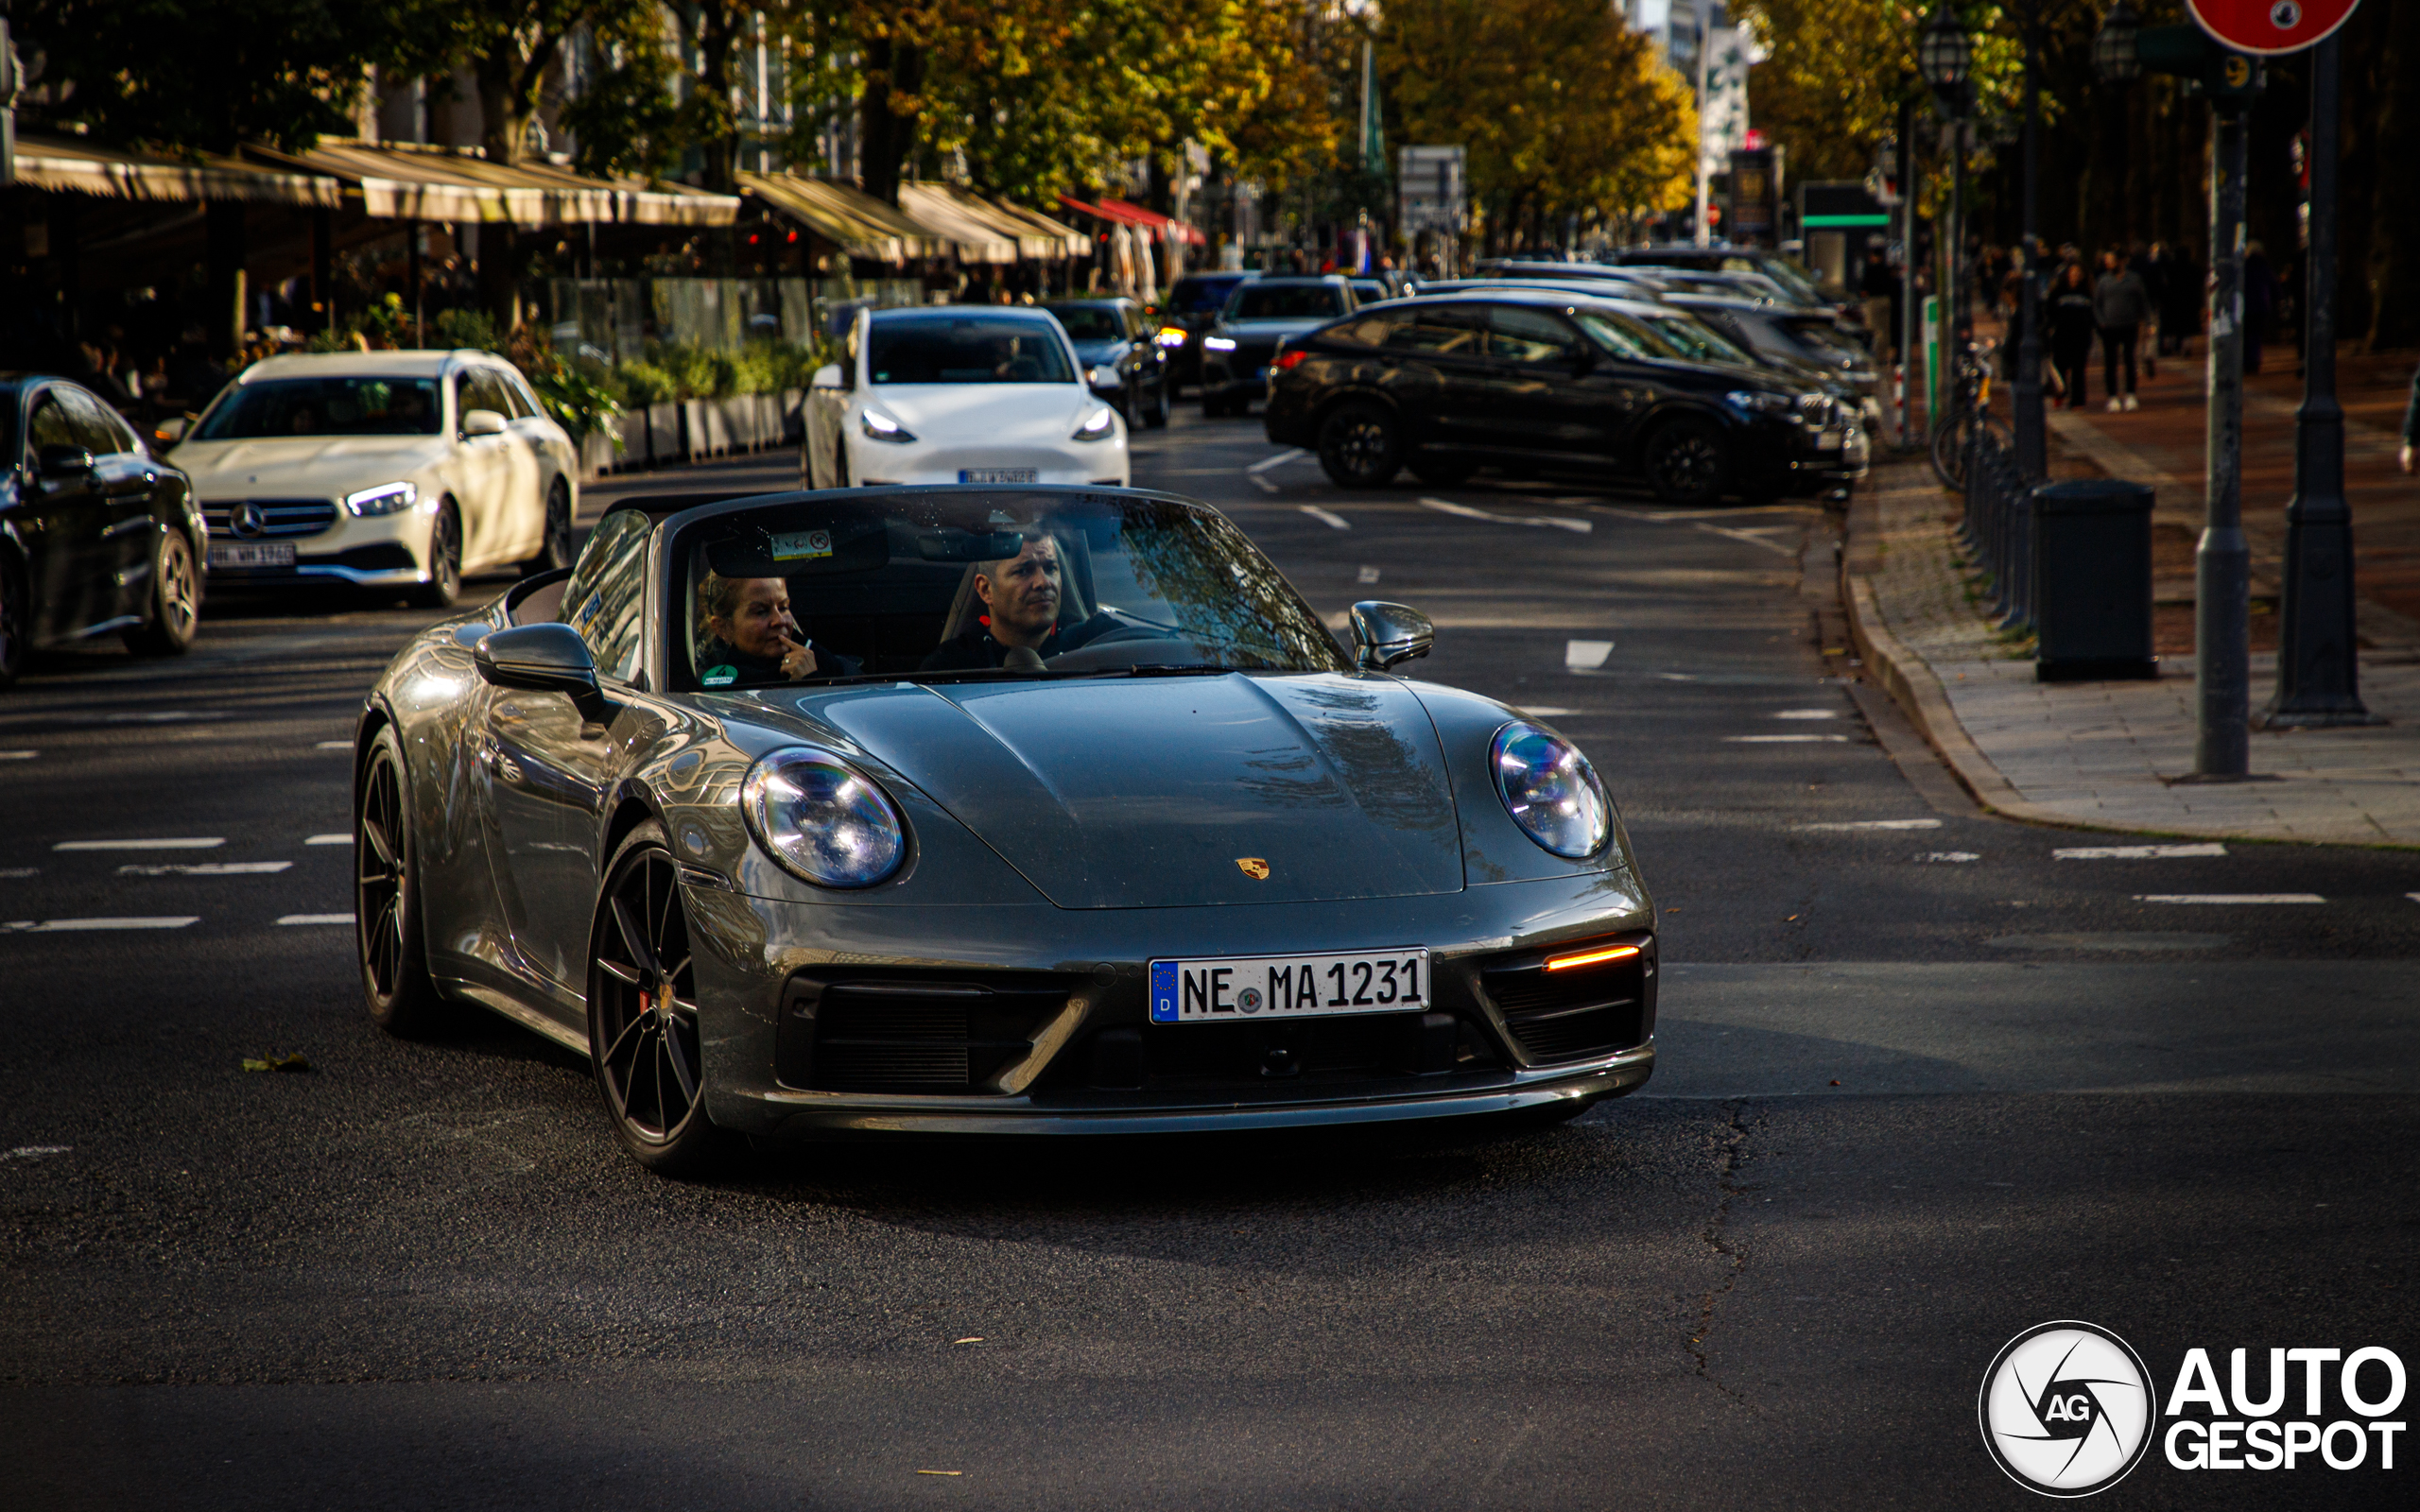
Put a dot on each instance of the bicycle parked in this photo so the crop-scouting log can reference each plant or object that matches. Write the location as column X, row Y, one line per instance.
column 1970, row 406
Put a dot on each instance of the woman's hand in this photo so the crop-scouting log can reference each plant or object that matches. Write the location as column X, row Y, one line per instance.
column 797, row 661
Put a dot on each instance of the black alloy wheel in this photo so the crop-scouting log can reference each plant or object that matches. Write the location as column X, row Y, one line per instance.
column 176, row 599
column 404, row 1001
column 1439, row 470
column 444, row 583
column 1360, row 447
column 1686, row 463
column 643, row 1012
column 555, row 550
column 16, row 617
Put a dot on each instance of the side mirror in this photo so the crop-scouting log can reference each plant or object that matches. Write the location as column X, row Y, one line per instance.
column 63, row 461
column 828, row 376
column 1384, row 634
column 545, row 659
column 172, row 430
column 483, row 422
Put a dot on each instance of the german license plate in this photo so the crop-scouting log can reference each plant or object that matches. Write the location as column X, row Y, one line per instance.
column 998, row 475
column 251, row 554
column 1231, row 989
column 1828, row 441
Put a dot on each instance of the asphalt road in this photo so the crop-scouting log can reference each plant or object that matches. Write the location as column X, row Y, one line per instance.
column 1925, row 1082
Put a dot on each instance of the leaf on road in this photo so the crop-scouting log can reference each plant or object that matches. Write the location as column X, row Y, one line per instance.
column 294, row 1062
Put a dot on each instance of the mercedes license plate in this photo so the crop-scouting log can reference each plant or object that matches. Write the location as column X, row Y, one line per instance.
column 1230, row 988
column 251, row 554
column 998, row 475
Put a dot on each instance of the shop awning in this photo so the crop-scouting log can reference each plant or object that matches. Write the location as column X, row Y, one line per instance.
column 402, row 181
column 78, row 168
column 980, row 230
column 1151, row 220
column 845, row 215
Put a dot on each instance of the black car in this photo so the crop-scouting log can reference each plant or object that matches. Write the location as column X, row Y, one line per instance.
column 1721, row 258
column 1191, row 310
column 1541, row 380
column 1638, row 285
column 97, row 535
column 1122, row 358
column 1798, row 339
column 1260, row 318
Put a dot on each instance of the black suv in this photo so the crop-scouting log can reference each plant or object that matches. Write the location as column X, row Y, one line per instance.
column 1191, row 310
column 1261, row 316
column 1545, row 381
column 97, row 535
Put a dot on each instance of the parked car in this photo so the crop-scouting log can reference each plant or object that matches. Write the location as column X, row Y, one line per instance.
column 1803, row 338
column 1544, row 380
column 1639, row 284
column 97, row 536
column 1191, row 309
column 1203, row 871
column 1797, row 285
column 384, row 470
column 1258, row 318
column 1701, row 341
column 959, row 394
column 1123, row 360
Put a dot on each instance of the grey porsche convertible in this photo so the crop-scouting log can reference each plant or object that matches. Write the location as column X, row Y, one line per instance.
column 982, row 809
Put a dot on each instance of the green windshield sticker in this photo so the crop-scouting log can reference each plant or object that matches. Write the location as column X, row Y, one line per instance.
column 805, row 544
column 722, row 677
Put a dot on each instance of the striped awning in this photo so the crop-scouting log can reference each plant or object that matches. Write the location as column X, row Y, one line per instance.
column 402, row 181
column 84, row 168
column 983, row 231
column 845, row 215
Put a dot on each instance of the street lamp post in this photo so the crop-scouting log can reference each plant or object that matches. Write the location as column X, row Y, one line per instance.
column 2033, row 450
column 1945, row 58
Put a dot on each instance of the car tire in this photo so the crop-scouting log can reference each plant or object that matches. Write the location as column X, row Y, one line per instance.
column 1685, row 463
column 16, row 619
column 176, row 599
column 642, row 1036
column 1157, row 416
column 555, row 550
column 1439, row 471
column 1360, row 446
column 387, row 930
column 1130, row 410
column 444, row 585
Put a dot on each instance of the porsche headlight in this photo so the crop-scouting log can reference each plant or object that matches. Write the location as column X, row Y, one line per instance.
column 1098, row 426
column 1550, row 790
column 823, row 821
column 387, row 498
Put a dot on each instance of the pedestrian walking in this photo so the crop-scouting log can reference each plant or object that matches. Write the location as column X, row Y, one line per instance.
column 2071, row 324
column 2120, row 303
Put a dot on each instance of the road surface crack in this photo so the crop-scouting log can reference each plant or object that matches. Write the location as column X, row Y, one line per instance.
column 1726, row 1245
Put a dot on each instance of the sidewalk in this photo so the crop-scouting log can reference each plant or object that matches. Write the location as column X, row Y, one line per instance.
column 2104, row 755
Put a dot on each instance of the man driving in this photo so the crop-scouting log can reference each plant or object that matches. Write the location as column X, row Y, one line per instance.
column 751, row 637
column 1021, row 597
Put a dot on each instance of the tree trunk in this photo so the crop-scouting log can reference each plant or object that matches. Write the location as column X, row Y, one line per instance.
column 504, row 119
column 893, row 69
column 2393, row 262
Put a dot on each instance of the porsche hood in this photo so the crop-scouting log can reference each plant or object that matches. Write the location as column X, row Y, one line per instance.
column 1157, row 792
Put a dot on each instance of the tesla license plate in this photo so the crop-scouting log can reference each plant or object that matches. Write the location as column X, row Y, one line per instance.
column 251, row 554
column 998, row 475
column 1230, row 988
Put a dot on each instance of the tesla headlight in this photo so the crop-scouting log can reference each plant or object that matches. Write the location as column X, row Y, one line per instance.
column 1098, row 426
column 387, row 498
column 1758, row 403
column 1218, row 344
column 822, row 820
column 881, row 427
column 1550, row 790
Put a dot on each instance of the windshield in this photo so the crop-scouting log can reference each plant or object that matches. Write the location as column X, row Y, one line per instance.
column 1789, row 276
column 1698, row 339
column 1199, row 296
column 1823, row 338
column 1285, row 302
column 323, row 406
column 980, row 583
column 1091, row 322
column 1626, row 338
column 966, row 349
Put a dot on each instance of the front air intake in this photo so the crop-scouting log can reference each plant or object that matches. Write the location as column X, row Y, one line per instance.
column 958, row 1033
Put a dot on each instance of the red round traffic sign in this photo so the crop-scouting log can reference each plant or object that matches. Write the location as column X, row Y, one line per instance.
column 2271, row 26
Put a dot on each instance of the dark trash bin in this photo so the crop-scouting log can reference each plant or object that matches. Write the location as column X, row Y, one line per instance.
column 2092, row 580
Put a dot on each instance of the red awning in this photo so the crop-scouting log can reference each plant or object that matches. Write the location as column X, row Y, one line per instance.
column 1118, row 210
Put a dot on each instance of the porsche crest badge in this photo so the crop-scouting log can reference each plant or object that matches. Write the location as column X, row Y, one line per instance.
column 1254, row 867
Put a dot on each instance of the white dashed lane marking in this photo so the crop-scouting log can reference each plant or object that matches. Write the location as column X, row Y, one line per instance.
column 316, row 918
column 2137, row 852
column 1806, row 713
column 2229, row 898
column 1292, row 454
column 15, row 872
column 1546, row 710
column 58, row 926
column 1367, row 575
column 1951, row 856
column 207, row 869
column 1788, row 740
column 35, row 1152
column 1587, row 656
column 1550, row 522
column 1326, row 517
column 1262, row 483
column 18, row 755
column 191, row 842
column 1875, row 824
column 334, row 745
column 329, row 839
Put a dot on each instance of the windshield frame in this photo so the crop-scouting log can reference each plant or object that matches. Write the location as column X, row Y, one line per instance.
column 234, row 396
column 1048, row 327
